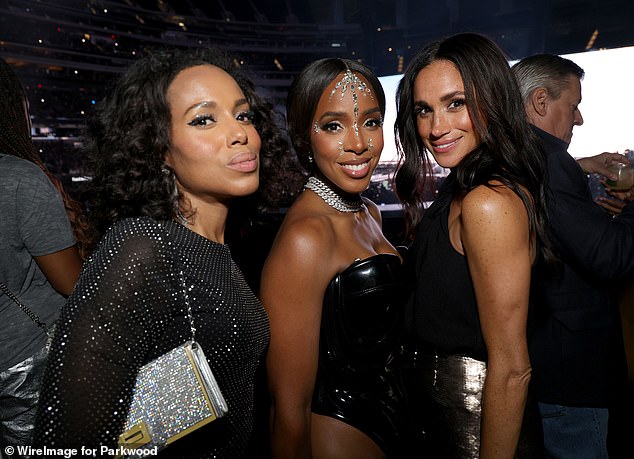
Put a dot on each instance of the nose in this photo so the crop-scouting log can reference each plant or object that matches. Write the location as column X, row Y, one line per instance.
column 439, row 125
column 236, row 133
column 578, row 118
column 354, row 141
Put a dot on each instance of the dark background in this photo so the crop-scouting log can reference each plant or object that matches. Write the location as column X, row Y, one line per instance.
column 66, row 51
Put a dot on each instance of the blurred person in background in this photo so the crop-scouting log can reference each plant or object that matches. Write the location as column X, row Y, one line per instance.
column 39, row 262
column 577, row 349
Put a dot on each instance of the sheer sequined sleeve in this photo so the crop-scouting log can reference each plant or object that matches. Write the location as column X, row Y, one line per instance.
column 107, row 330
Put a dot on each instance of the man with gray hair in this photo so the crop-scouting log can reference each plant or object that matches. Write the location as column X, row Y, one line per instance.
column 577, row 351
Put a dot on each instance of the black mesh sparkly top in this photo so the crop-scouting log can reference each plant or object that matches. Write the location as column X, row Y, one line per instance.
column 127, row 309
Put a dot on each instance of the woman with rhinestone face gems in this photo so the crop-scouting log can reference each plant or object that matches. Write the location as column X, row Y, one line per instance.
column 331, row 282
column 474, row 249
column 179, row 144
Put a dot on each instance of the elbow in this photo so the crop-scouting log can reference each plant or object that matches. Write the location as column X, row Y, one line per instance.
column 519, row 377
column 512, row 376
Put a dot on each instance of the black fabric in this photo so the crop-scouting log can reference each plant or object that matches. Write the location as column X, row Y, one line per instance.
column 576, row 346
column 443, row 301
column 359, row 377
column 127, row 309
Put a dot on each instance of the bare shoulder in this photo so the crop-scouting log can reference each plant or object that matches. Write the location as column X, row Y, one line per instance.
column 303, row 240
column 496, row 202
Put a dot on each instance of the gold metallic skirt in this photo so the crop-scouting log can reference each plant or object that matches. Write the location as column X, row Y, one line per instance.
column 450, row 409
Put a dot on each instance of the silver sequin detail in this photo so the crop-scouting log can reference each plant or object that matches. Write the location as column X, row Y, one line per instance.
column 331, row 198
column 171, row 385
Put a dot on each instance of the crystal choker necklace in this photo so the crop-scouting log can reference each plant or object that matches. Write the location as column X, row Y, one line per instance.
column 331, row 198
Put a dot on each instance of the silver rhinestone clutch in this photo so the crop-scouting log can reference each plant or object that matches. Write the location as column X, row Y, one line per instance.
column 174, row 394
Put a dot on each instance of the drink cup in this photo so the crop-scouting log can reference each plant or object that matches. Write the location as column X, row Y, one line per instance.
column 624, row 177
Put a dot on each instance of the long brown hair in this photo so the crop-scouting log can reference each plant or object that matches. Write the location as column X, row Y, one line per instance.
column 509, row 152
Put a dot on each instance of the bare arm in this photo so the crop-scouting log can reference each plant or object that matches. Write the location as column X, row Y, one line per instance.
column 294, row 279
column 61, row 269
column 496, row 241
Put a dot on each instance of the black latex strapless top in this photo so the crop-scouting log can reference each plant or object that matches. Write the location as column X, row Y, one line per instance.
column 358, row 379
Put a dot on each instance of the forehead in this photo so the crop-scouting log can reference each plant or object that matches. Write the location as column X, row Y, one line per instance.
column 437, row 79
column 572, row 90
column 346, row 89
column 202, row 82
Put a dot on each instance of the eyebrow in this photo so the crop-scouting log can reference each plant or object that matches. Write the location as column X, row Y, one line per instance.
column 444, row 98
column 338, row 114
column 212, row 104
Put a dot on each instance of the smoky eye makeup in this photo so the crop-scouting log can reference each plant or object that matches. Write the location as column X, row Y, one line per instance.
column 202, row 120
column 247, row 116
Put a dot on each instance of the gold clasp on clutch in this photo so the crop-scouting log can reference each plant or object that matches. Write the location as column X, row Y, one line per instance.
column 135, row 436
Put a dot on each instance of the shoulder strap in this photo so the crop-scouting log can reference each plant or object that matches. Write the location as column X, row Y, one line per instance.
column 178, row 262
column 34, row 317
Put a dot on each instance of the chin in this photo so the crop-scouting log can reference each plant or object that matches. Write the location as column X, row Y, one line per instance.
column 358, row 186
column 446, row 163
column 246, row 189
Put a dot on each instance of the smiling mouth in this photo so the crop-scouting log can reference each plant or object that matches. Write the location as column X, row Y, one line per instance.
column 356, row 167
column 445, row 146
column 357, row 170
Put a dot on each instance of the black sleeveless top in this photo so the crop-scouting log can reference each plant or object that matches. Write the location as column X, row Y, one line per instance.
column 443, row 303
column 358, row 378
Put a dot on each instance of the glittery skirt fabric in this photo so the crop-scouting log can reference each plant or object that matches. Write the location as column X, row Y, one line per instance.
column 450, row 409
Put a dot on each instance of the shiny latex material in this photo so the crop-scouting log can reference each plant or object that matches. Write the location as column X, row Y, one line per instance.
column 358, row 380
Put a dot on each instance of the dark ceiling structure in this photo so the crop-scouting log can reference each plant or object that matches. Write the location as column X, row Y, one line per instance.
column 66, row 51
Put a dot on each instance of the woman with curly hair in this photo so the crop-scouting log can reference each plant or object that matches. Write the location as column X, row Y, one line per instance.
column 39, row 261
column 474, row 247
column 178, row 147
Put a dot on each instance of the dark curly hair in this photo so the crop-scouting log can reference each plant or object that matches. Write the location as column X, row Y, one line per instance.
column 307, row 89
column 509, row 151
column 130, row 136
column 15, row 139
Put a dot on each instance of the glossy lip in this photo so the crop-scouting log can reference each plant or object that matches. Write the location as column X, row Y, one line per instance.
column 244, row 162
column 356, row 169
column 445, row 146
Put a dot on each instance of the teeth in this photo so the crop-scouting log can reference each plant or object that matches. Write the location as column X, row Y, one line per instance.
column 445, row 145
column 355, row 167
